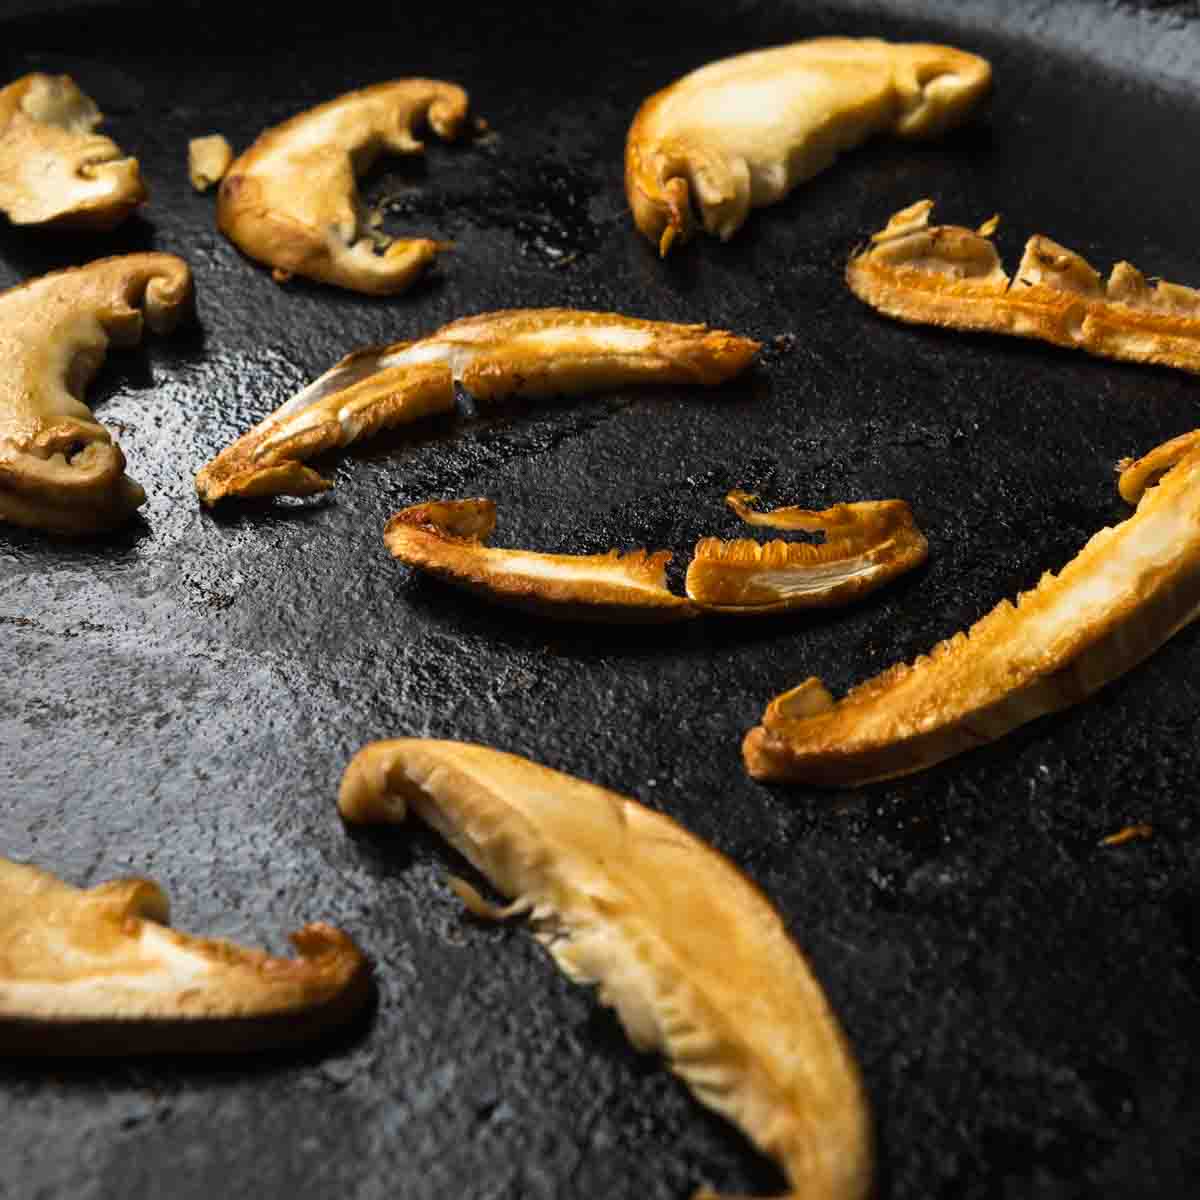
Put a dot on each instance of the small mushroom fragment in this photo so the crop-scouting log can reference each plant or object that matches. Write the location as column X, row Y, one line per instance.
column 99, row 972
column 55, row 170
column 208, row 160
column 447, row 538
column 952, row 277
column 1127, row 591
column 692, row 956
column 740, row 133
column 291, row 201
column 524, row 351
column 866, row 544
column 59, row 468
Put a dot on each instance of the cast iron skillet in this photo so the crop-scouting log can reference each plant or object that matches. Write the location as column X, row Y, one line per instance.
column 179, row 700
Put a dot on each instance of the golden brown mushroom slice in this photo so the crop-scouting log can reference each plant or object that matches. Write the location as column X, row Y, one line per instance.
column 952, row 277
column 1127, row 591
column 55, row 169
column 693, row 957
column 524, row 351
column 447, row 538
column 59, row 468
column 867, row 543
column 99, row 972
column 291, row 201
column 740, row 133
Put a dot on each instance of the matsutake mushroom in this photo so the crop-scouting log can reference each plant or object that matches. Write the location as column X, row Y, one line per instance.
column 98, row 972
column 867, row 543
column 1127, row 591
column 291, row 200
column 523, row 351
column 59, row 468
column 740, row 133
column 950, row 276
column 55, row 170
column 691, row 955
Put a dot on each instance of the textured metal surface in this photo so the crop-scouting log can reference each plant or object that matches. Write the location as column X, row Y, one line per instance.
column 179, row 701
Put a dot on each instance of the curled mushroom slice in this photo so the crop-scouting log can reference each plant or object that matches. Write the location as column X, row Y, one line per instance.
column 528, row 352
column 99, row 972
column 208, row 160
column 59, row 468
column 1127, row 591
column 447, row 538
column 54, row 168
column 692, row 956
column 743, row 131
column 950, row 276
column 291, row 200
column 866, row 544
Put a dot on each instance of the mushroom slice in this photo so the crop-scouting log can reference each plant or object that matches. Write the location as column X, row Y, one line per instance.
column 54, row 168
column 59, row 468
column 866, row 544
column 99, row 972
column 291, row 201
column 1126, row 592
column 693, row 957
column 447, row 538
column 950, row 276
column 740, row 133
column 524, row 351
column 208, row 160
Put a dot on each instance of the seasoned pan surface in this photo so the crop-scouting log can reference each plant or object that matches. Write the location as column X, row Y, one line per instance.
column 179, row 700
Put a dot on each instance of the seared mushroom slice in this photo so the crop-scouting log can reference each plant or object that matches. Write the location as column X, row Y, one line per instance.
column 59, row 468
column 867, row 543
column 99, row 972
column 1126, row 592
column 743, row 131
column 447, row 538
column 693, row 957
column 54, row 168
column 952, row 277
column 208, row 160
column 291, row 200
column 523, row 351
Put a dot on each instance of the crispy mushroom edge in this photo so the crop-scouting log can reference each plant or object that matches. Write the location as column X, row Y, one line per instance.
column 99, row 972
column 691, row 955
column 60, row 470
column 291, row 200
column 55, row 171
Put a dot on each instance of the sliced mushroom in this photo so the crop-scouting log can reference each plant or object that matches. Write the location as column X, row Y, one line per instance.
column 950, row 276
column 99, row 972
column 740, row 133
column 291, row 200
column 208, row 160
column 688, row 951
column 866, row 544
column 527, row 352
column 59, row 468
column 54, row 168
column 1126, row 592
column 447, row 538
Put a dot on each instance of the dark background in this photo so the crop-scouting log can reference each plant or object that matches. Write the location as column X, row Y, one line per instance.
column 179, row 700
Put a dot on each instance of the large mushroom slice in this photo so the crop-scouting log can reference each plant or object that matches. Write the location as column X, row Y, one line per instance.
column 99, row 972
column 693, row 957
column 952, row 277
column 524, row 351
column 291, row 200
column 447, row 538
column 1127, row 591
column 54, row 168
column 867, row 544
column 743, row 131
column 59, row 468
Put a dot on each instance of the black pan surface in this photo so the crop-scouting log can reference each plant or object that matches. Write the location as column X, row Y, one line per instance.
column 179, row 700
